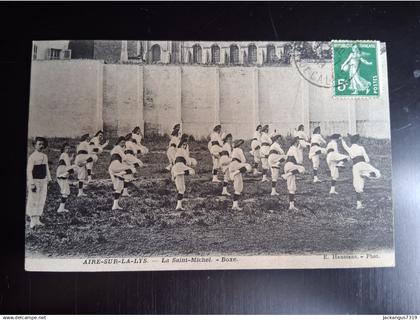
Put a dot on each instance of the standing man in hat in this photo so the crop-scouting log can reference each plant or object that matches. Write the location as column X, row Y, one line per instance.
column 182, row 167
column 237, row 167
column 84, row 160
column 335, row 160
column 255, row 148
column 137, row 138
column 64, row 170
column 362, row 169
column 225, row 159
column 215, row 147
column 264, row 151
column 317, row 141
column 291, row 169
column 276, row 156
column 173, row 145
column 38, row 176
column 120, row 172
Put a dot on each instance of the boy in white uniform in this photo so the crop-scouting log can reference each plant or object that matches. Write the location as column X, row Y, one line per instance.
column 237, row 167
column 317, row 141
column 137, row 138
column 361, row 167
column 215, row 147
column 291, row 169
column 130, row 151
column 182, row 166
column 255, row 148
column 120, row 172
column 173, row 145
column 84, row 160
column 64, row 170
column 276, row 156
column 225, row 159
column 96, row 148
column 38, row 176
column 264, row 151
column 334, row 160
column 303, row 143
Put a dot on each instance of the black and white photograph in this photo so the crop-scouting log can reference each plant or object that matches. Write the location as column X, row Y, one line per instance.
column 183, row 155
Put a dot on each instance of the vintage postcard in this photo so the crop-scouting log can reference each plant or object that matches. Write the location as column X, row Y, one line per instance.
column 182, row 155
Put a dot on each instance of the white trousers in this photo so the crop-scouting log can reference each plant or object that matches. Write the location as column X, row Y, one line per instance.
column 180, row 183
column 359, row 169
column 64, row 187
column 36, row 200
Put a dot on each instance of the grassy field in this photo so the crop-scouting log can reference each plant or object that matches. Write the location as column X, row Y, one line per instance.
column 149, row 224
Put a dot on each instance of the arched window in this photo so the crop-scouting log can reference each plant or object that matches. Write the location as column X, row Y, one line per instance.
column 252, row 54
column 215, row 54
column 197, row 54
column 234, row 54
column 155, row 53
column 271, row 53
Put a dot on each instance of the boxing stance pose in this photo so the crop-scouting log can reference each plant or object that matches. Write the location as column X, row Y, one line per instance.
column 130, row 151
column 255, row 148
column 84, row 160
column 264, row 151
column 334, row 160
column 276, row 156
column 303, row 143
column 237, row 167
column 173, row 145
column 215, row 147
column 362, row 169
column 120, row 172
column 225, row 159
column 64, row 170
column 38, row 176
column 317, row 141
column 182, row 167
column 291, row 169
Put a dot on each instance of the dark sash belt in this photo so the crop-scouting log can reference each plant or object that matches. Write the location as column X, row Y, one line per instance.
column 213, row 143
column 116, row 156
column 265, row 144
column 180, row 159
column 273, row 152
column 61, row 162
column 39, row 171
column 172, row 145
column 291, row 159
column 358, row 159
column 330, row 150
column 315, row 144
column 82, row 152
column 62, row 178
column 257, row 148
column 236, row 159
column 129, row 152
column 224, row 153
column 95, row 149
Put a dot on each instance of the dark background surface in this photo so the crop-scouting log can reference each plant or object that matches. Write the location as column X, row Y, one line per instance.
column 349, row 291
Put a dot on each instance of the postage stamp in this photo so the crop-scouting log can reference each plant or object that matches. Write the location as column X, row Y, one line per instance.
column 355, row 69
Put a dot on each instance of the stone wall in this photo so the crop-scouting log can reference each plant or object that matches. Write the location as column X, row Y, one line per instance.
column 69, row 98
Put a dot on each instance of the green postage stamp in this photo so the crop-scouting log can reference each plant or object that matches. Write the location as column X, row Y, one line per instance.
column 356, row 70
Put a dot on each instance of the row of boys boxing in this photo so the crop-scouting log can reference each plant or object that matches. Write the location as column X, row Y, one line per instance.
column 87, row 151
column 229, row 157
column 266, row 149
